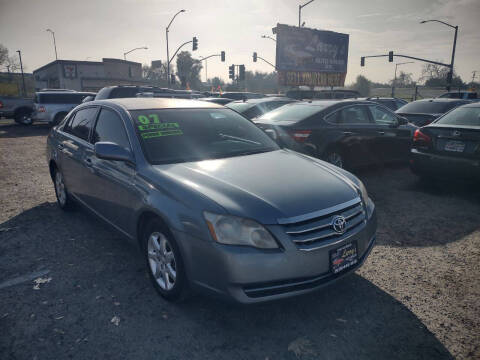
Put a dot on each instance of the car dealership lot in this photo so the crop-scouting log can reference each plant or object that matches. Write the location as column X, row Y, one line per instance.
column 71, row 287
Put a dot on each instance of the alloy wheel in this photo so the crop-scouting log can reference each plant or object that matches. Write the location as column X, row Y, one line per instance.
column 60, row 188
column 161, row 259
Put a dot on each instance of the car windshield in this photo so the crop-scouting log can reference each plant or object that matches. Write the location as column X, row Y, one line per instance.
column 240, row 106
column 293, row 112
column 468, row 116
column 181, row 135
column 427, row 107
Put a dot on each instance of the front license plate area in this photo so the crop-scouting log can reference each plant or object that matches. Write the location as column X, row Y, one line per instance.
column 455, row 146
column 343, row 257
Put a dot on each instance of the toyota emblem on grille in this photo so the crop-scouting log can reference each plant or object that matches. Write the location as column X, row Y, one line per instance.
column 339, row 223
column 456, row 133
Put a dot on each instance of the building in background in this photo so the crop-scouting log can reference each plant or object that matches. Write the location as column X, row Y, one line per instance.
column 87, row 75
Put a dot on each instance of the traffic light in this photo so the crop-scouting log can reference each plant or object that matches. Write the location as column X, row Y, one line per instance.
column 231, row 72
column 362, row 61
column 241, row 72
column 172, row 79
column 254, row 57
column 222, row 56
column 194, row 43
column 390, row 56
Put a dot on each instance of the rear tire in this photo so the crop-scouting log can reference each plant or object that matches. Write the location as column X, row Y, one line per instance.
column 335, row 158
column 58, row 118
column 23, row 117
column 63, row 199
column 164, row 262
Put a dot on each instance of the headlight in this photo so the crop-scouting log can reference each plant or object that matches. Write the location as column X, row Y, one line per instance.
column 233, row 230
column 363, row 192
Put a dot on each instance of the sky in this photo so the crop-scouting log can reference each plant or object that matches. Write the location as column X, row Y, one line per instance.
column 94, row 29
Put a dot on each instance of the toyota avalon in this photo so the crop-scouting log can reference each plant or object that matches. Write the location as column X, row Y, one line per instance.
column 212, row 201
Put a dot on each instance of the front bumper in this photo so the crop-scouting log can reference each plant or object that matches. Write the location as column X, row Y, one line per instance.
column 444, row 166
column 249, row 275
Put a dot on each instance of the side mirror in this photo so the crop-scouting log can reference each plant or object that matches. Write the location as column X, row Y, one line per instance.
column 112, row 151
column 402, row 120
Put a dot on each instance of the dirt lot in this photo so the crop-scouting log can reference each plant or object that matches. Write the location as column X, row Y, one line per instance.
column 417, row 296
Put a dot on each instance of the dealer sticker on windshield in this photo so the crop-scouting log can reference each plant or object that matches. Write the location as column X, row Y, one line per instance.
column 151, row 127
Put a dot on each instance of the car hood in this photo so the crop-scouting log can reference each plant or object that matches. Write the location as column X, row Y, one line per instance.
column 266, row 186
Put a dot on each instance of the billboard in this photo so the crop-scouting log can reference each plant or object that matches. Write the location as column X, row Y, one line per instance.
column 311, row 57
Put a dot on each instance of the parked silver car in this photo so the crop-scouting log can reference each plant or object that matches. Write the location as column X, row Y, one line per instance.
column 213, row 202
column 52, row 106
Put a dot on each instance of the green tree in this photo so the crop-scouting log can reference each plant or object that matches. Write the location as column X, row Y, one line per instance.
column 362, row 85
column 9, row 63
column 436, row 76
column 188, row 70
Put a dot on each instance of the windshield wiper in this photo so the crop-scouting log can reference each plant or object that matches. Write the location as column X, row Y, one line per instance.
column 239, row 139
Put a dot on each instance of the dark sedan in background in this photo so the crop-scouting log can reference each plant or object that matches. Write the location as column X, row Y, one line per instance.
column 423, row 112
column 390, row 102
column 346, row 133
column 450, row 146
column 254, row 108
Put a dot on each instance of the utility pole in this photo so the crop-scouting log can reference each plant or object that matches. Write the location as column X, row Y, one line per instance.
column 168, row 54
column 394, row 84
column 300, row 7
column 54, row 42
column 23, row 76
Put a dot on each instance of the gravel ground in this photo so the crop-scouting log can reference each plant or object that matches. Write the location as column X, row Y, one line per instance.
column 72, row 288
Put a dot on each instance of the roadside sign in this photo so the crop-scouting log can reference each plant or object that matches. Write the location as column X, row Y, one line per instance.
column 311, row 57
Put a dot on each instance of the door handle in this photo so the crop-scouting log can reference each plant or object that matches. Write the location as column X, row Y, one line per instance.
column 381, row 132
column 69, row 144
column 348, row 133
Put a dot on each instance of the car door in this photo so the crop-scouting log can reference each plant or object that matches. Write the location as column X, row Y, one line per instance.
column 393, row 140
column 356, row 133
column 73, row 146
column 112, row 193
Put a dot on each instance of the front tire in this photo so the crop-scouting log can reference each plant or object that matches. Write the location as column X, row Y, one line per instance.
column 63, row 199
column 164, row 262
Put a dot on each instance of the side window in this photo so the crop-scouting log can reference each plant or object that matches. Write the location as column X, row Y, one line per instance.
column 399, row 103
column 81, row 123
column 332, row 118
column 382, row 116
column 252, row 112
column 353, row 115
column 110, row 128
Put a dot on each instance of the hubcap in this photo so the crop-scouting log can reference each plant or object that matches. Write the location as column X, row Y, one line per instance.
column 60, row 188
column 335, row 159
column 162, row 260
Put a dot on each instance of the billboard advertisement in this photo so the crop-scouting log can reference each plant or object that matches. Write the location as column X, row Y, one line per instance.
column 311, row 57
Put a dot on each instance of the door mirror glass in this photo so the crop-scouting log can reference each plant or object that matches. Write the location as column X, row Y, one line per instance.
column 112, row 151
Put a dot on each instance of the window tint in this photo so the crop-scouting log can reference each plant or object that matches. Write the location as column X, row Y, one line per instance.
column 272, row 105
column 400, row 103
column 81, row 123
column 125, row 92
column 240, row 106
column 110, row 128
column 382, row 116
column 66, row 98
column 352, row 115
column 293, row 112
column 427, row 107
column 468, row 116
column 253, row 112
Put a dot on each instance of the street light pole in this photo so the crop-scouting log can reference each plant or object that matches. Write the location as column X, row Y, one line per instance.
column 23, row 76
column 268, row 37
column 128, row 52
column 168, row 54
column 394, row 84
column 450, row 74
column 54, row 42
column 300, row 7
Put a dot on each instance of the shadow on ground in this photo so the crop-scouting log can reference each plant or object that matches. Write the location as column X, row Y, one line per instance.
column 10, row 129
column 96, row 277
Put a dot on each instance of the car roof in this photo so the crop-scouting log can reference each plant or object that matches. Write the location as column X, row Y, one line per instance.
column 157, row 103
column 473, row 104
column 444, row 100
column 327, row 103
column 66, row 92
column 265, row 99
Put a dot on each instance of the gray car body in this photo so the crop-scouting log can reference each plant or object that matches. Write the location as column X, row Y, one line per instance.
column 54, row 109
column 273, row 188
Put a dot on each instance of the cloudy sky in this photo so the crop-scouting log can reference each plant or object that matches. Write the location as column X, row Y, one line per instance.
column 93, row 29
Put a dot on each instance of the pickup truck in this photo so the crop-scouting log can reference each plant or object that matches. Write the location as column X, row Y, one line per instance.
column 17, row 108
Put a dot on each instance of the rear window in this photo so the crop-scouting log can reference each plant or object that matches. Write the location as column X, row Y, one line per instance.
column 467, row 116
column 66, row 98
column 294, row 112
column 428, row 107
column 240, row 107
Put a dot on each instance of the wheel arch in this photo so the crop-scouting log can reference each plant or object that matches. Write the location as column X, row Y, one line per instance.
column 144, row 217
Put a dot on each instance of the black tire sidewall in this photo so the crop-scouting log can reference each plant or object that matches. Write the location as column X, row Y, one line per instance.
column 20, row 114
column 68, row 202
column 179, row 288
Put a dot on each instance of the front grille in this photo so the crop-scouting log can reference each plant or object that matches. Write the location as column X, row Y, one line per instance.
column 319, row 230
